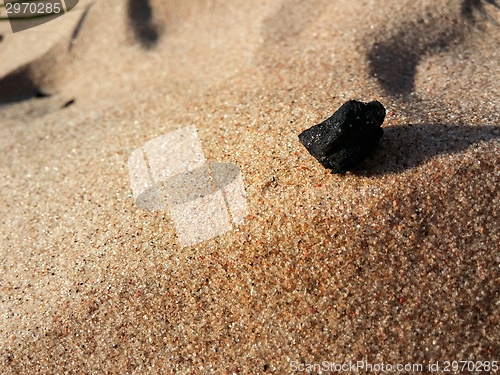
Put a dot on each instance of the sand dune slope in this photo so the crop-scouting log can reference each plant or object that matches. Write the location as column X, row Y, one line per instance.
column 395, row 262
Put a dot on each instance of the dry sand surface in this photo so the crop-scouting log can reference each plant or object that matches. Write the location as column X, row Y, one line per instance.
column 396, row 262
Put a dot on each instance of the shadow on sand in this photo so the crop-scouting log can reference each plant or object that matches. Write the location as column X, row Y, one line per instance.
column 140, row 16
column 395, row 59
column 407, row 146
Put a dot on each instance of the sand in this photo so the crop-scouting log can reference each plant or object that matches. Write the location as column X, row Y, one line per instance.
column 396, row 262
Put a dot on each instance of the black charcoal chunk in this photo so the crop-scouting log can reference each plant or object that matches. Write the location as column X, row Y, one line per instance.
column 346, row 138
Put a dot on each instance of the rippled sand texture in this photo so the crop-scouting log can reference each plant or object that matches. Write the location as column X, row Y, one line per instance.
column 396, row 262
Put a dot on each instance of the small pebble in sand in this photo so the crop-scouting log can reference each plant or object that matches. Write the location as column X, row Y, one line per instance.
column 346, row 138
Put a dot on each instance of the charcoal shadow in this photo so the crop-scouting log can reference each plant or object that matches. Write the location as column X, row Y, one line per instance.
column 407, row 146
column 140, row 16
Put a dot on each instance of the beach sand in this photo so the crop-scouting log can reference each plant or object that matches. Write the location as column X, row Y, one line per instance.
column 396, row 262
